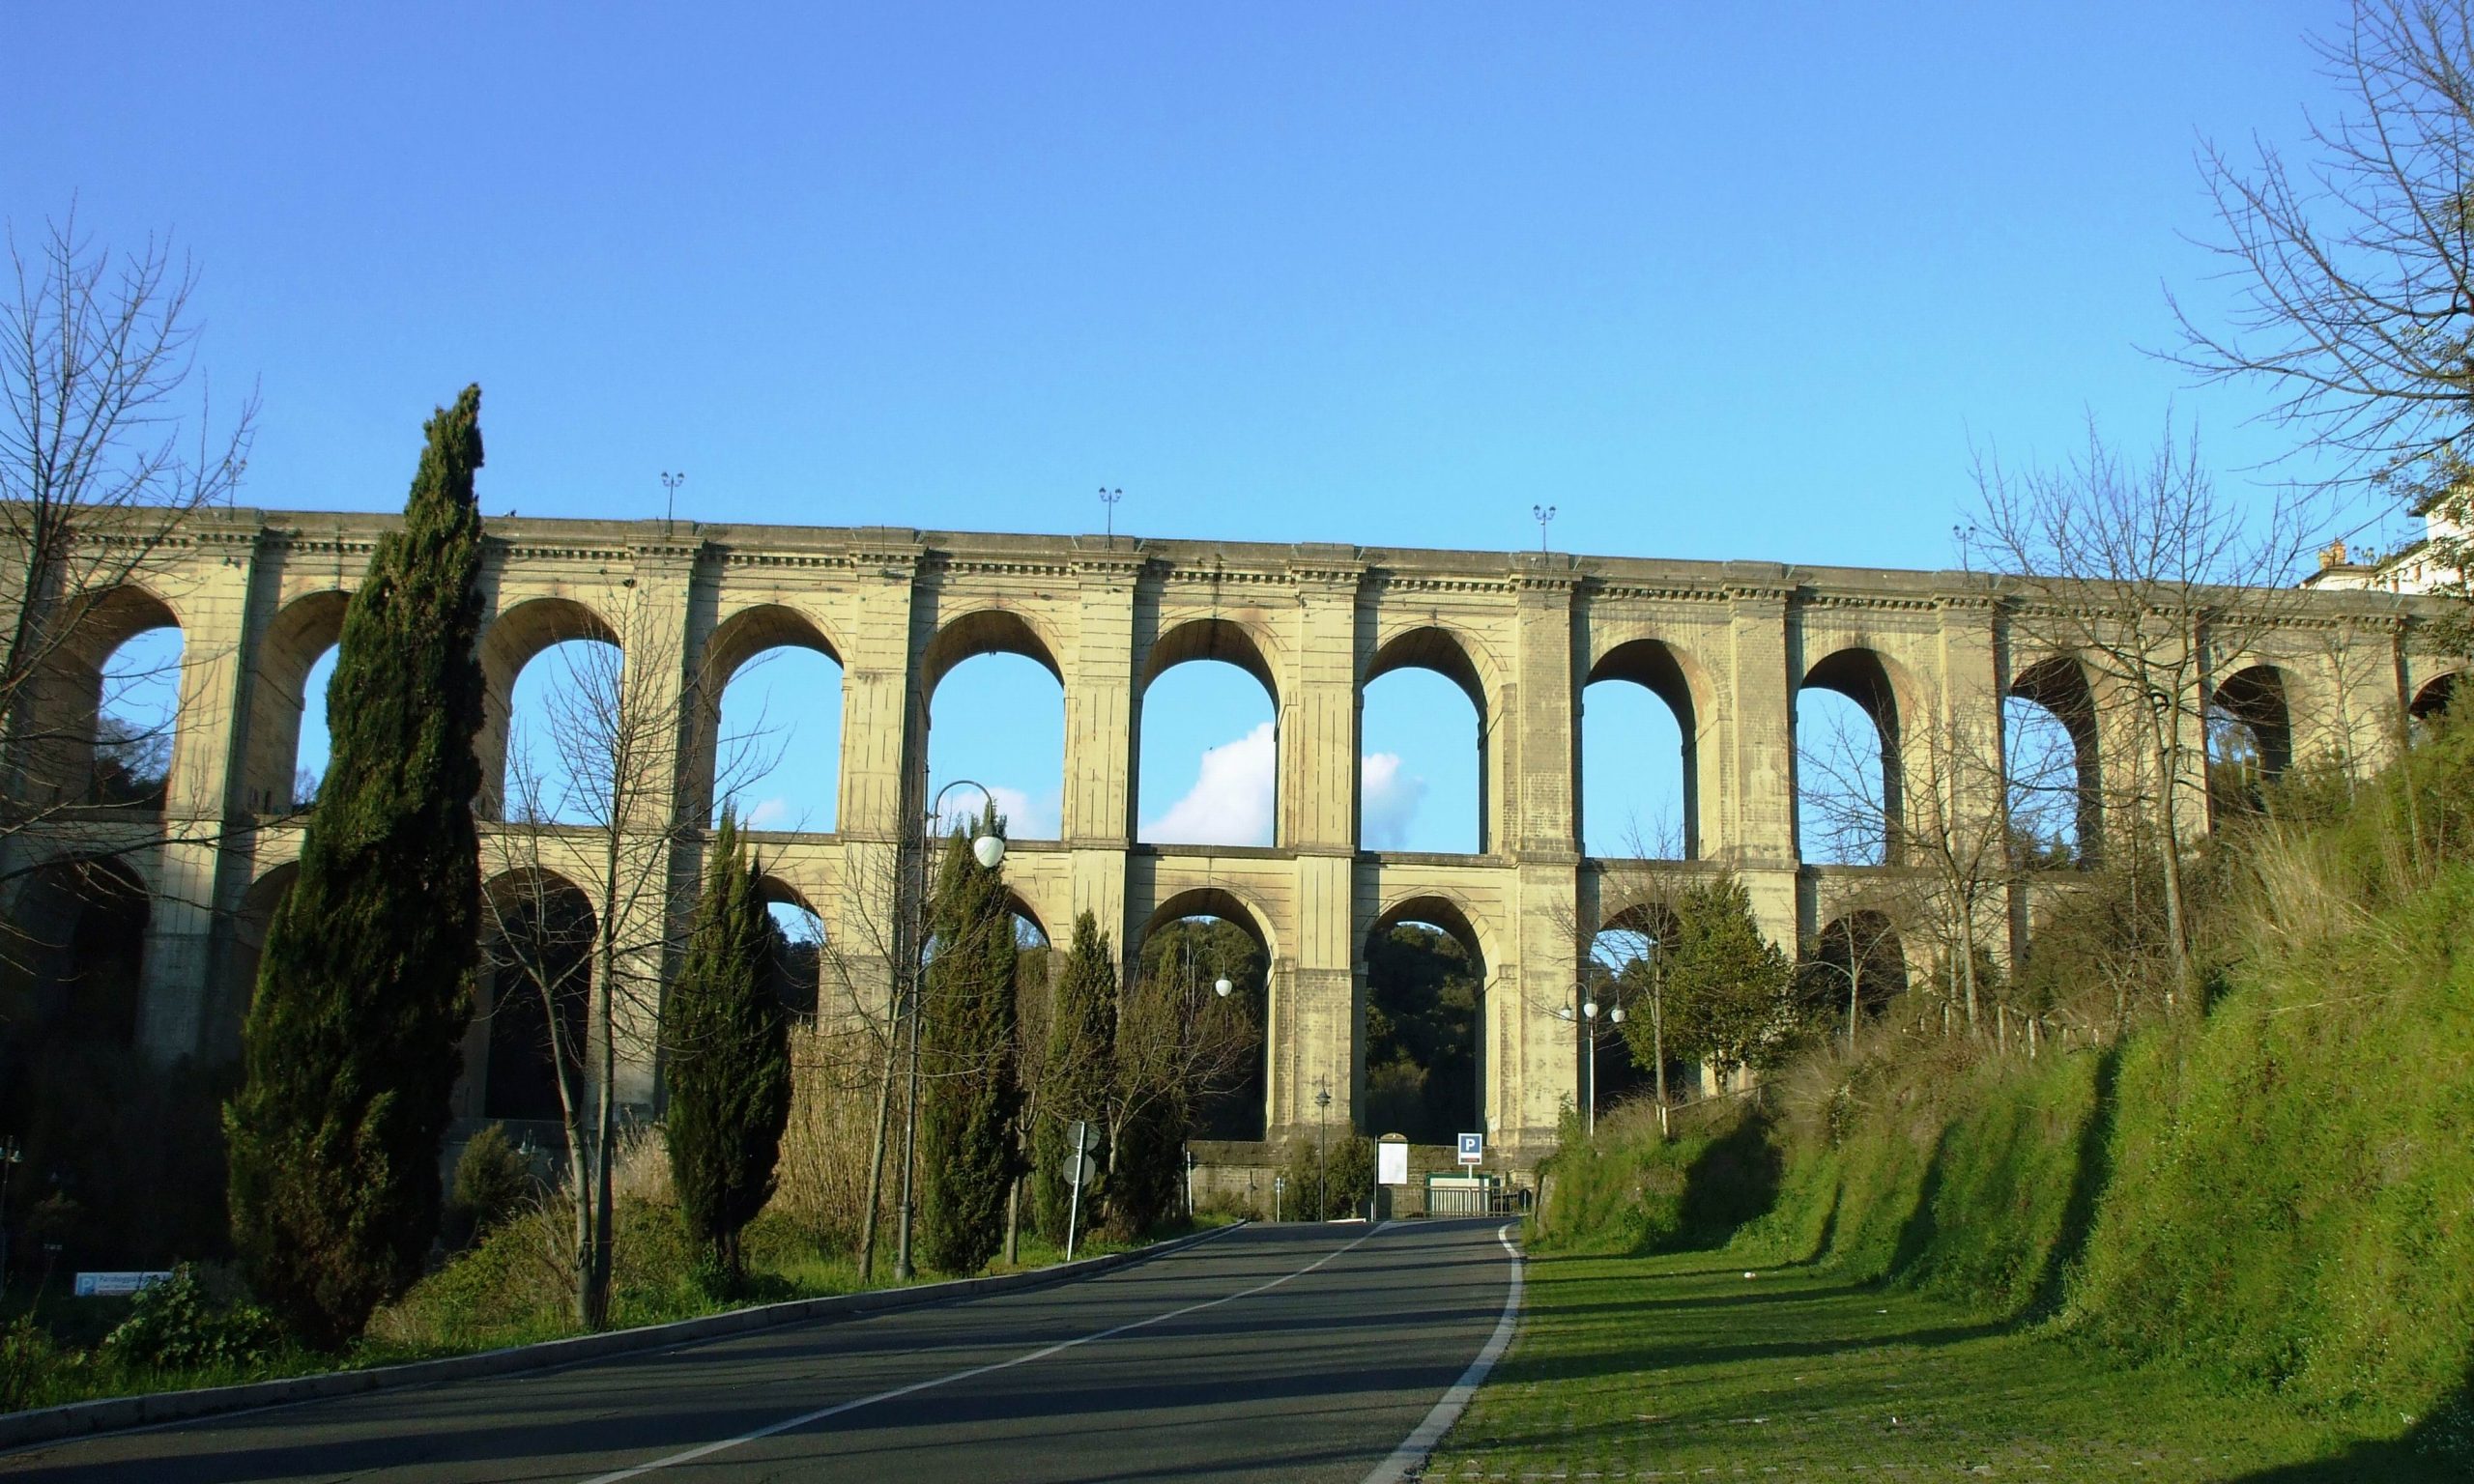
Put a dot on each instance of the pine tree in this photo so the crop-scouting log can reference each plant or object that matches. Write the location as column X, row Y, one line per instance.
column 966, row 1156
column 352, row 1045
column 729, row 1043
column 1080, row 1064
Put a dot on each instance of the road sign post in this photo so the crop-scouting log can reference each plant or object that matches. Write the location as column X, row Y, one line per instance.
column 1472, row 1149
column 1078, row 1169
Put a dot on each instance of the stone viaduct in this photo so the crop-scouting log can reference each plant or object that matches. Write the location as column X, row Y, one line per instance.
column 259, row 596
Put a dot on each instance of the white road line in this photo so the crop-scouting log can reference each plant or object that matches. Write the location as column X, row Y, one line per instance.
column 791, row 1424
column 1413, row 1450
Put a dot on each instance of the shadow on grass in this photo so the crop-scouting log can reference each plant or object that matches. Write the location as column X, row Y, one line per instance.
column 2442, row 1447
column 2086, row 1186
column 1734, row 1181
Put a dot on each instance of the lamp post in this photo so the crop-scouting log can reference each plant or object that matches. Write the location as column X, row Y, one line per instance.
column 1189, row 1009
column 1587, row 1024
column 1657, row 1033
column 989, row 851
column 11, row 1157
column 1322, row 1157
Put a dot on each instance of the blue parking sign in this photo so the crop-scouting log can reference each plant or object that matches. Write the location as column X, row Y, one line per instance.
column 1472, row 1149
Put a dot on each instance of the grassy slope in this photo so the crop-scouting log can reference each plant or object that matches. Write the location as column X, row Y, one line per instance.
column 2240, row 1243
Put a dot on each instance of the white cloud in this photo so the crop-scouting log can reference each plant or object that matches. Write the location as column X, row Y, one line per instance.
column 1230, row 802
column 770, row 815
column 1388, row 800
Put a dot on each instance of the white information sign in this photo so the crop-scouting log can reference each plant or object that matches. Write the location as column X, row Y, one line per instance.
column 1472, row 1149
column 104, row 1285
column 1392, row 1165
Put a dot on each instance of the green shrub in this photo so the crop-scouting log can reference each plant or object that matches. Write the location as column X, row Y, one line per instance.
column 1344, row 1174
column 493, row 1182
column 27, row 1357
column 176, row 1325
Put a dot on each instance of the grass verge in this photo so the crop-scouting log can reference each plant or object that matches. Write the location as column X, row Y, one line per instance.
column 1675, row 1366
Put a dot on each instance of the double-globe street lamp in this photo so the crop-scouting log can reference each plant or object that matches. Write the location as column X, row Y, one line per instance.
column 1588, row 1025
column 989, row 850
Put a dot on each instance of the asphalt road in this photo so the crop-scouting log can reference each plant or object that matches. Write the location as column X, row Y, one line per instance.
column 1273, row 1353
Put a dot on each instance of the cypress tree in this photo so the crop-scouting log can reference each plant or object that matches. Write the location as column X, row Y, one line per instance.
column 1082, row 1032
column 350, row 1048
column 966, row 1156
column 729, row 1044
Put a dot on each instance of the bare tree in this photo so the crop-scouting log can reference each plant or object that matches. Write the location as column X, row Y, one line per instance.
column 591, row 876
column 105, row 454
column 1948, row 846
column 2149, row 580
column 1180, row 1044
column 2355, row 272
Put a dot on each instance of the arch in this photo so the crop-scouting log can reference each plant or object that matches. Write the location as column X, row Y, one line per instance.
column 1448, row 652
column 1224, row 639
column 1020, row 907
column 513, row 638
column 1215, row 902
column 2249, row 738
column 75, row 959
column 1231, row 1062
column 298, row 638
column 1425, row 1048
column 1860, row 961
column 1619, row 969
column 537, row 987
column 1230, row 772
column 797, row 969
column 251, row 920
column 720, row 761
column 1676, row 680
column 750, row 631
column 1451, row 655
column 66, row 706
column 986, row 631
column 1864, row 677
column 102, row 623
column 2059, row 685
column 2435, row 696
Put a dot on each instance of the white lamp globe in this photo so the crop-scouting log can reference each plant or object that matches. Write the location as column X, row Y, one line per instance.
column 1223, row 987
column 1589, row 1008
column 990, row 850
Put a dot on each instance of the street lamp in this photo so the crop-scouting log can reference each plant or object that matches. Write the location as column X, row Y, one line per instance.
column 1587, row 1024
column 989, row 850
column 1322, row 1158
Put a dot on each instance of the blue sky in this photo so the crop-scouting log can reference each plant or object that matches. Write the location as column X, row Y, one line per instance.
column 1713, row 282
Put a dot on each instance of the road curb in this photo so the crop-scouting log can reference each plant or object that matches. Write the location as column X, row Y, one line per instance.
column 118, row 1413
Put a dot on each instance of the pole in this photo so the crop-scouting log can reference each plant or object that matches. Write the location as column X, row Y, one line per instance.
column 1073, row 1192
column 10, row 1154
column 1589, row 1034
column 902, row 1271
column 1322, row 1157
column 1657, row 1033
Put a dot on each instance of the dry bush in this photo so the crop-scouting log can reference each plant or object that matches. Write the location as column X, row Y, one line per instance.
column 639, row 1167
column 822, row 1178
